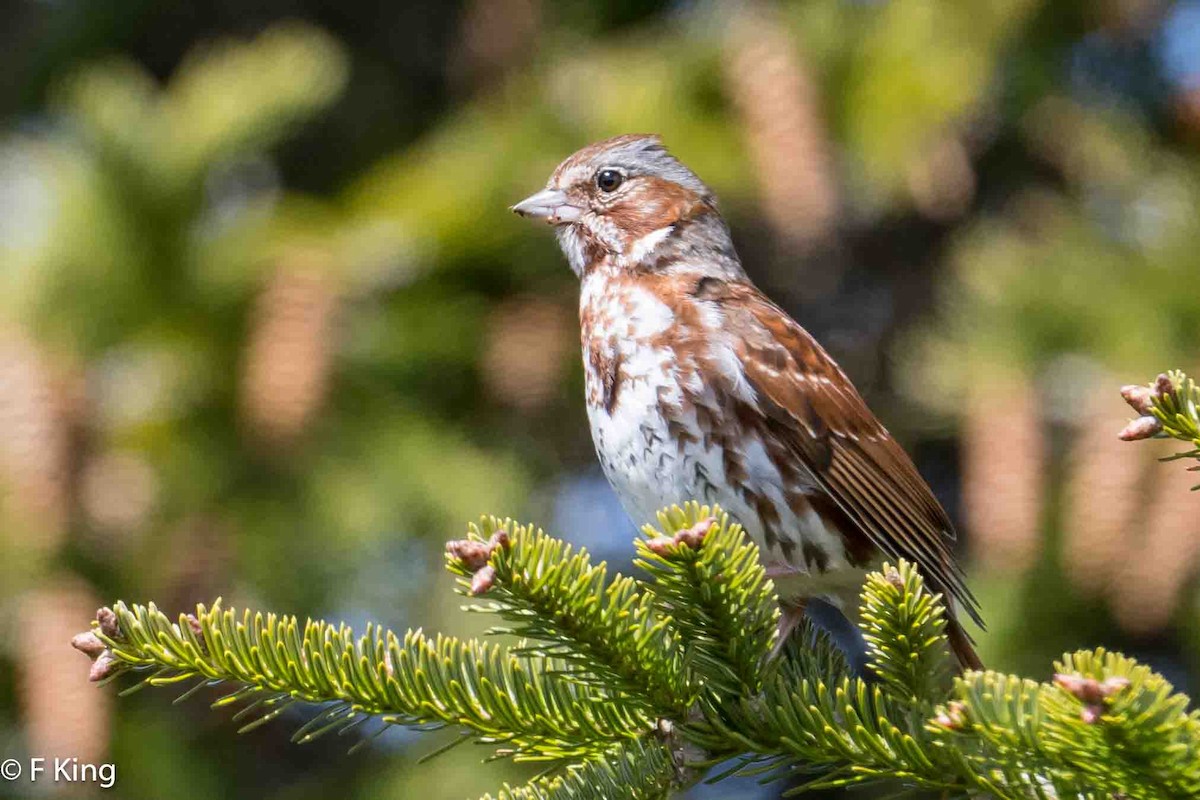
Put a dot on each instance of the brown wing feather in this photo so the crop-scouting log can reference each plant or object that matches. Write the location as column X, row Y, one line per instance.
column 810, row 402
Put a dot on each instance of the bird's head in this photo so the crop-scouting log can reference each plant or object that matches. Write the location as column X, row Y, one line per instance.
column 624, row 201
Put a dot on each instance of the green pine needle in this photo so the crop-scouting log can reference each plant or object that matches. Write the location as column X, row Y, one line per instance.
column 631, row 689
column 719, row 596
column 503, row 698
column 904, row 627
column 606, row 632
column 641, row 769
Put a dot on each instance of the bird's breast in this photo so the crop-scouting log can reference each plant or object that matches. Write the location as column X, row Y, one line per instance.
column 673, row 419
column 635, row 385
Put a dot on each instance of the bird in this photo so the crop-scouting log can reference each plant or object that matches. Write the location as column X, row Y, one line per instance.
column 699, row 387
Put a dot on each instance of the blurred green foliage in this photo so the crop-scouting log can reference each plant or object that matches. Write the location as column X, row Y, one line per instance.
column 267, row 265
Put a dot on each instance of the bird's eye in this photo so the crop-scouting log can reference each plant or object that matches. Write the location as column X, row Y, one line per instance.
column 609, row 179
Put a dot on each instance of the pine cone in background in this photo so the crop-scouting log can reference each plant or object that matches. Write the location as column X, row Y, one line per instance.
column 779, row 110
column 64, row 715
column 286, row 369
column 1004, row 472
column 1160, row 554
column 118, row 491
column 527, row 342
column 495, row 36
column 209, row 566
column 1131, row 534
column 36, row 410
column 1105, row 491
column 942, row 180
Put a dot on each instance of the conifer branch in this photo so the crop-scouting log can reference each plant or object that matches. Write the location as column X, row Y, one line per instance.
column 708, row 579
column 641, row 769
column 632, row 689
column 1169, row 407
column 1105, row 727
column 271, row 662
column 814, row 720
column 904, row 627
column 1118, row 723
column 607, row 632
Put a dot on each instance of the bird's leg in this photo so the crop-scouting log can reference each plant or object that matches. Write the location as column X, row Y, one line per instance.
column 792, row 613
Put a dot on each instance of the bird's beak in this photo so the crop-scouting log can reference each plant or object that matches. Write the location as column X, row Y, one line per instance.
column 550, row 206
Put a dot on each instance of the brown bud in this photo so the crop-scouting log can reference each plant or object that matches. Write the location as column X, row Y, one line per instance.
column 197, row 629
column 892, row 575
column 499, row 539
column 1091, row 713
column 108, row 622
column 1086, row 689
column 473, row 554
column 1069, row 682
column 104, row 666
column 1090, row 692
column 1140, row 428
column 89, row 644
column 1140, row 398
column 484, row 579
column 693, row 537
column 953, row 716
column 1163, row 385
column 660, row 545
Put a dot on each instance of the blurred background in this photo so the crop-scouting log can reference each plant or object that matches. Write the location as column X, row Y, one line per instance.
column 268, row 331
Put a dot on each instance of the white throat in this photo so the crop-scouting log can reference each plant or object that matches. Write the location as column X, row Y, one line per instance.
column 571, row 242
column 646, row 245
column 571, row 239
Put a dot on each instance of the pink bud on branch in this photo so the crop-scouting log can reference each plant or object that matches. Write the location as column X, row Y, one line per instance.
column 1092, row 693
column 953, row 716
column 108, row 622
column 474, row 556
column 89, row 644
column 1139, row 398
column 692, row 537
column 1140, row 428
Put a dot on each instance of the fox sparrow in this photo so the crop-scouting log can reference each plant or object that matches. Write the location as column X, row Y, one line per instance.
column 699, row 387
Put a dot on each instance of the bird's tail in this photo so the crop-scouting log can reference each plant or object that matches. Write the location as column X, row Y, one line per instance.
column 962, row 647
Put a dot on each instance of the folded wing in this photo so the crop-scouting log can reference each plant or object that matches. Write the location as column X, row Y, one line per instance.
column 810, row 403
